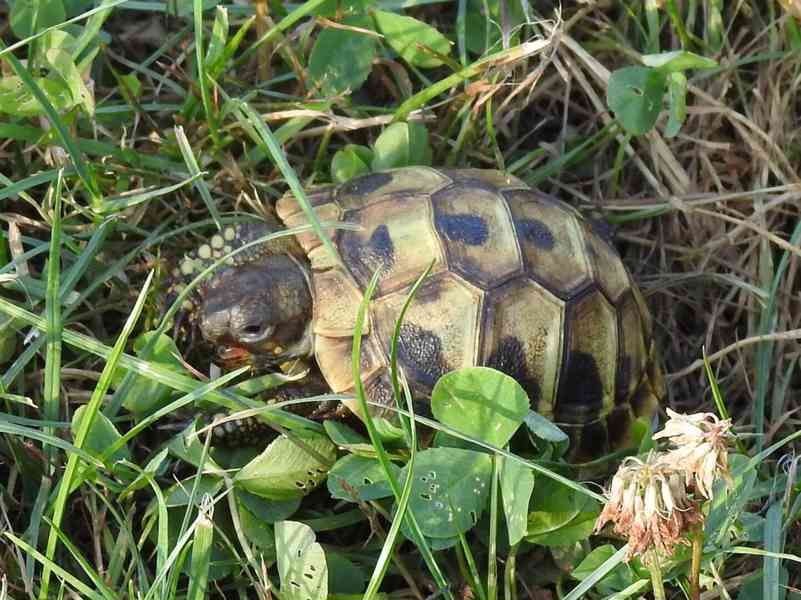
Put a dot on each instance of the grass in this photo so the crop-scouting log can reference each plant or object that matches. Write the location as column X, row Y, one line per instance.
column 187, row 135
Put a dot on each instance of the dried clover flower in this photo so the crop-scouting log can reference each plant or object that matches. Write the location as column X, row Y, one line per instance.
column 648, row 505
column 701, row 448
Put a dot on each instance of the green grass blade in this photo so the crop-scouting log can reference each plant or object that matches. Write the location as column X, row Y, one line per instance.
column 383, row 458
column 52, row 377
column 200, row 59
column 587, row 584
column 201, row 552
column 62, row 573
column 91, row 573
column 194, row 170
column 92, row 408
column 279, row 158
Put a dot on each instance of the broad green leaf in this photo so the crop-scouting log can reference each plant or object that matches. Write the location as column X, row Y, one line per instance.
column 146, row 395
column 480, row 402
column 302, row 566
column 344, row 576
column 102, row 434
column 483, row 30
column 678, row 60
column 341, row 59
column 559, row 515
column 677, row 103
column 17, row 100
column 412, row 39
column 347, row 439
column 450, row 488
column 350, row 161
column 257, row 515
column 402, row 145
column 64, row 67
column 517, row 483
column 355, row 478
column 47, row 12
column 289, row 467
column 616, row 580
column 544, row 428
column 635, row 94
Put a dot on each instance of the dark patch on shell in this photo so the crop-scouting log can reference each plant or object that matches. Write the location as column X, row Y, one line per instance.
column 420, row 353
column 594, row 441
column 581, row 389
column 618, row 423
column 465, row 228
column 378, row 252
column 623, row 379
column 536, row 232
column 509, row 357
column 366, row 184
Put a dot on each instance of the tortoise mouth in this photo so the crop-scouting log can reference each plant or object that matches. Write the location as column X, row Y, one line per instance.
column 266, row 356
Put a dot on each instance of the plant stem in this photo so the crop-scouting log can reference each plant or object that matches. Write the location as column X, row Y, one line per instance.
column 656, row 577
column 695, row 569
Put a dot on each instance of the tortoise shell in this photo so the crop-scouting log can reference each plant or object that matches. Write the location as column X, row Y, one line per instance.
column 520, row 282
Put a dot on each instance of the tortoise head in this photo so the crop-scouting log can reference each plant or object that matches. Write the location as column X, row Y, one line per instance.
column 260, row 311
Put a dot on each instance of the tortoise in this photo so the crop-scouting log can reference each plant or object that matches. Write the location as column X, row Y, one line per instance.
column 520, row 282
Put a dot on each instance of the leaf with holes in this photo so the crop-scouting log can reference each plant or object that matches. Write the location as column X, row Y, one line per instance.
column 416, row 42
column 355, row 478
column 517, row 483
column 290, row 467
column 450, row 487
column 635, row 94
column 480, row 402
column 301, row 562
column 342, row 58
column 401, row 145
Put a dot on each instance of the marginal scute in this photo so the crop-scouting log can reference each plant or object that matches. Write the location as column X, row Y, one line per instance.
column 610, row 273
column 633, row 354
column 439, row 332
column 333, row 356
column 551, row 241
column 587, row 383
column 326, row 213
column 287, row 205
column 336, row 304
column 395, row 237
column 397, row 185
column 527, row 313
column 487, row 178
column 487, row 252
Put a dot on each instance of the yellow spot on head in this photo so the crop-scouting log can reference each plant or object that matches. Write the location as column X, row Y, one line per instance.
column 228, row 249
column 278, row 350
column 187, row 305
column 229, row 233
column 187, row 266
column 176, row 272
column 204, row 251
column 217, row 241
column 216, row 254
